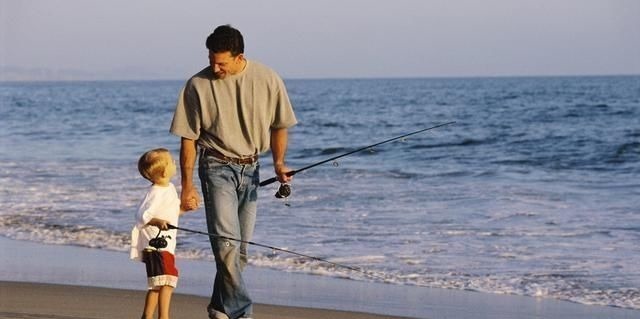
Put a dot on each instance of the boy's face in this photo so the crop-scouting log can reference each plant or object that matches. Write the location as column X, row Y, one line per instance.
column 170, row 170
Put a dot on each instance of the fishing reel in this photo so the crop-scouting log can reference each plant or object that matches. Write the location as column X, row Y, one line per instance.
column 284, row 191
column 159, row 242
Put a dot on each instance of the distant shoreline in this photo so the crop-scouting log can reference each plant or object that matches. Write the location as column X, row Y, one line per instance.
column 8, row 77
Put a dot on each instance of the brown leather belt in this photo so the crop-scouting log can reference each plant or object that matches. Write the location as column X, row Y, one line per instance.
column 238, row 161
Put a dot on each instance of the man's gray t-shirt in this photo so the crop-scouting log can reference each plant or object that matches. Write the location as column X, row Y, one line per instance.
column 233, row 115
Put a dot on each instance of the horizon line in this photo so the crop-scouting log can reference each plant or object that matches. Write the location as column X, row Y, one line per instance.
column 143, row 79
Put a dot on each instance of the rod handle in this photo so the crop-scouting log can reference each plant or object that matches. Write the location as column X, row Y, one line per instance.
column 268, row 181
column 274, row 179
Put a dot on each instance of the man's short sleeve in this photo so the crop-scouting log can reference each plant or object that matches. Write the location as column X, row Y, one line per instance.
column 186, row 119
column 284, row 116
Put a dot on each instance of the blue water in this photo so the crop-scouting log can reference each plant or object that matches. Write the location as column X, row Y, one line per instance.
column 535, row 190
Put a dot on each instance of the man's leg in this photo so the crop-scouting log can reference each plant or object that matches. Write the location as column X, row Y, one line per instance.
column 220, row 185
column 247, row 209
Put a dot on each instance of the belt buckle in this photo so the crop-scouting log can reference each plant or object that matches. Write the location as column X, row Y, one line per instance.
column 246, row 160
column 235, row 160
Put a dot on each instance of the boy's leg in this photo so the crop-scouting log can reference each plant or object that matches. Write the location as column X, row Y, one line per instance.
column 164, row 302
column 150, row 304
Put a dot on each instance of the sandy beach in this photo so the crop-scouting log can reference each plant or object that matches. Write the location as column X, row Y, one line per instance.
column 54, row 281
column 31, row 300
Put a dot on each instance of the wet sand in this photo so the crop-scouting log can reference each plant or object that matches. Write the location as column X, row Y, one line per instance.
column 54, row 281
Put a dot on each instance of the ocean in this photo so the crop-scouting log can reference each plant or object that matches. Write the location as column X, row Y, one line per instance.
column 534, row 191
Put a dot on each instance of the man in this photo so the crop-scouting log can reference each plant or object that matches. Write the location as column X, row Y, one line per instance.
column 232, row 111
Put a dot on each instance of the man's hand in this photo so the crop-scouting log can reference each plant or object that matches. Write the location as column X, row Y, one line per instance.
column 281, row 172
column 189, row 199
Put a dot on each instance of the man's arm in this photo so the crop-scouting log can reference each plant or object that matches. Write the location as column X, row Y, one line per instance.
column 279, row 141
column 189, row 196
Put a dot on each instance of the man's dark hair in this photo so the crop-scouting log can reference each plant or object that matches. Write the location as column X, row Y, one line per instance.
column 226, row 38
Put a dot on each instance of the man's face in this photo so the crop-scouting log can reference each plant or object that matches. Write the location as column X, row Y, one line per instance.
column 224, row 64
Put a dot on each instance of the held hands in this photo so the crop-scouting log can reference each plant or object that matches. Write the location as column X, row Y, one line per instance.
column 189, row 199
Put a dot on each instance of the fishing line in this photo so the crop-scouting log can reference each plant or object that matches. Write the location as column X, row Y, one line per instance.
column 360, row 270
column 291, row 173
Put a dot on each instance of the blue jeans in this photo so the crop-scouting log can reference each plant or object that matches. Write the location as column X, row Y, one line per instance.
column 230, row 194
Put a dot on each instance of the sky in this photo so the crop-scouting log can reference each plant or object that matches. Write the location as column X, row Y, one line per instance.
column 164, row 39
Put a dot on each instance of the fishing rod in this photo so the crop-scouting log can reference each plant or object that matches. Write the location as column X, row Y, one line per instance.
column 291, row 173
column 360, row 270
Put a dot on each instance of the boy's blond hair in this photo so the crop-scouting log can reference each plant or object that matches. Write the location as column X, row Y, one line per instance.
column 152, row 165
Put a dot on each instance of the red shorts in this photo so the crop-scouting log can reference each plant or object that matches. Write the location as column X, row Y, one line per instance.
column 161, row 268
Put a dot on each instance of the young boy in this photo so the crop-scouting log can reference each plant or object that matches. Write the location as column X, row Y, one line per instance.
column 160, row 207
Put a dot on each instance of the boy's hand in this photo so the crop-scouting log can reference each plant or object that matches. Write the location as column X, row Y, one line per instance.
column 160, row 223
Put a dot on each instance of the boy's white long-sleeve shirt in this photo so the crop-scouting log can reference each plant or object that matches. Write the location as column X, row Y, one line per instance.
column 160, row 202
